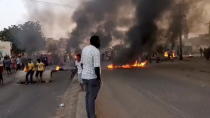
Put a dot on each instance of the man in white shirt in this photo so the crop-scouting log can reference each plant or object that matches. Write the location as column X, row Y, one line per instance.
column 79, row 70
column 91, row 73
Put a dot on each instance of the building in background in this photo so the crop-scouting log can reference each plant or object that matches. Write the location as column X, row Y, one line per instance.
column 5, row 48
column 195, row 43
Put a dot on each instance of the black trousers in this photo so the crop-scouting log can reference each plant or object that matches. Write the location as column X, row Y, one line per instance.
column 39, row 74
column 31, row 74
column 92, row 88
column 1, row 78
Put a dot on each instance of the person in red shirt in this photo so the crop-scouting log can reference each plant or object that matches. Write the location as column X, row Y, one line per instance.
column 1, row 74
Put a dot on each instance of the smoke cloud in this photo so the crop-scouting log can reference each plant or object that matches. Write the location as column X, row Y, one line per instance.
column 53, row 15
column 142, row 36
column 141, row 18
column 100, row 17
column 136, row 24
column 29, row 37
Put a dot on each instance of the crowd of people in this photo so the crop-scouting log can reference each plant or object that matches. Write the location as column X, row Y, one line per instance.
column 30, row 68
column 88, row 68
column 10, row 65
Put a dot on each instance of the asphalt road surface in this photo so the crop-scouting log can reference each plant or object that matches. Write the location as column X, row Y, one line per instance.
column 166, row 91
column 33, row 101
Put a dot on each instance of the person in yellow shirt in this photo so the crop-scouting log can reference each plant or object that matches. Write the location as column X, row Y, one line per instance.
column 30, row 71
column 40, row 69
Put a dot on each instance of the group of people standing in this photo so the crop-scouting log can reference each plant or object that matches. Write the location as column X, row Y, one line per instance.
column 89, row 73
column 10, row 64
column 30, row 68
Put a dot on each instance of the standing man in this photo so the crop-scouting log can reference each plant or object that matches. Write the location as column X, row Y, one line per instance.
column 19, row 63
column 7, row 64
column 79, row 70
column 91, row 73
column 30, row 72
column 1, row 73
column 40, row 70
column 201, row 52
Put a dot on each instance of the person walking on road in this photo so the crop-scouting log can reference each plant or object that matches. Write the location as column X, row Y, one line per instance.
column 7, row 64
column 30, row 72
column 79, row 70
column 14, row 64
column 19, row 63
column 1, row 73
column 40, row 69
column 201, row 52
column 91, row 73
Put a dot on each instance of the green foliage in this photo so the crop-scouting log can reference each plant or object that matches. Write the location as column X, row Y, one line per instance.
column 25, row 37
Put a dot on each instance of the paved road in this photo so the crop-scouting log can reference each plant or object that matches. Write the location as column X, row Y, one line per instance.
column 32, row 101
column 156, row 92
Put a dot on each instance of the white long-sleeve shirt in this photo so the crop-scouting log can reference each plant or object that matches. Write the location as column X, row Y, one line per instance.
column 90, row 59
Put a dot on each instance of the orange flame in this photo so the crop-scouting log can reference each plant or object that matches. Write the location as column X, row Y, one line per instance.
column 166, row 54
column 129, row 66
column 58, row 68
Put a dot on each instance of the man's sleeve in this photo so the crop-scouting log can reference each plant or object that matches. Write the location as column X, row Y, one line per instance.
column 82, row 59
column 96, row 59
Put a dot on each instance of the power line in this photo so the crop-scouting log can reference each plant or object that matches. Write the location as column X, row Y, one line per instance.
column 53, row 3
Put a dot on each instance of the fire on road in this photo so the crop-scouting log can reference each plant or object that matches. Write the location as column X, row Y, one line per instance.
column 157, row 92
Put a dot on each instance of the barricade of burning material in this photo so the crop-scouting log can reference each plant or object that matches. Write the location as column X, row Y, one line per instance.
column 136, row 65
column 170, row 54
column 56, row 69
column 60, row 68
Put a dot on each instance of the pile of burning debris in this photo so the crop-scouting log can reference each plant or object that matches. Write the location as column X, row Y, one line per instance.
column 170, row 54
column 60, row 68
column 137, row 65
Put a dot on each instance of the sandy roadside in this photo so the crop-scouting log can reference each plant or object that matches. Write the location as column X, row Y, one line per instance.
column 73, row 101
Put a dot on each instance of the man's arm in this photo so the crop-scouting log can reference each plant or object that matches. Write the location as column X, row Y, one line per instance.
column 97, row 65
column 97, row 71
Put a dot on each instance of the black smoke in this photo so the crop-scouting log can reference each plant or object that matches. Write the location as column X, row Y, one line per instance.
column 142, row 36
column 98, row 17
column 103, row 18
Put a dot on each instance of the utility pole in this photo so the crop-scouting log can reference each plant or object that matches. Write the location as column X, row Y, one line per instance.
column 182, row 25
column 53, row 3
column 209, row 27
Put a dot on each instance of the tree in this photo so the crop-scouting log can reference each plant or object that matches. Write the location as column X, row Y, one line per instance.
column 9, row 34
column 25, row 37
column 30, row 37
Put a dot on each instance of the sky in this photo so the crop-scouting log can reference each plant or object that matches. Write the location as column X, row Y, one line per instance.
column 12, row 13
column 15, row 12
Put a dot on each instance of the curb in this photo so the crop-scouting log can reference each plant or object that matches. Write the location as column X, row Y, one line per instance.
column 81, row 112
column 73, row 101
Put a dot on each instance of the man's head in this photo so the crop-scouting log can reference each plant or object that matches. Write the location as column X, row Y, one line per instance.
column 78, row 57
column 29, row 60
column 95, row 41
column 38, row 60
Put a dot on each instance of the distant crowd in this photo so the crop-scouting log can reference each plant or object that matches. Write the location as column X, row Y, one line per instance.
column 12, row 64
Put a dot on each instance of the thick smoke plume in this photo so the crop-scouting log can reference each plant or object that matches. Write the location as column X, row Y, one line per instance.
column 30, row 37
column 53, row 15
column 100, row 17
column 104, row 18
column 142, row 36
column 136, row 24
